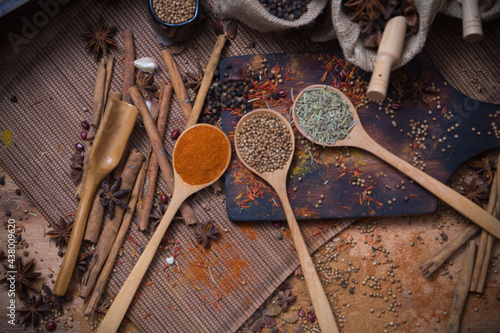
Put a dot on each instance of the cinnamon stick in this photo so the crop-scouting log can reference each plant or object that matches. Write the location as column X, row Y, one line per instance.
column 128, row 81
column 157, row 144
column 97, row 105
column 177, row 83
column 128, row 60
column 94, row 221
column 152, row 173
column 109, row 74
column 486, row 261
column 107, row 237
column 101, row 282
column 432, row 264
column 463, row 284
column 484, row 236
column 206, row 81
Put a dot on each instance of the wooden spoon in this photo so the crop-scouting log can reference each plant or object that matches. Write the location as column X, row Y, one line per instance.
column 360, row 139
column 107, row 150
column 182, row 191
column 277, row 179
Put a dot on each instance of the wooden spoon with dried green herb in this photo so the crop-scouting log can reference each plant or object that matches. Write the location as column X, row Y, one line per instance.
column 327, row 117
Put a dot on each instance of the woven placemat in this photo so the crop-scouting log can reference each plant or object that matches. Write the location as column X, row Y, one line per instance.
column 53, row 80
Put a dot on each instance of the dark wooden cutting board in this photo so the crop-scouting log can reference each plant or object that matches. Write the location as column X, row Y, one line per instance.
column 313, row 179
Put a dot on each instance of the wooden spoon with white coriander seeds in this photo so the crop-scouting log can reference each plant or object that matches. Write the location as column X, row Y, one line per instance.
column 264, row 142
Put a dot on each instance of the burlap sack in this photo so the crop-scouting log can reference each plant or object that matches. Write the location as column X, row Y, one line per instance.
column 350, row 39
column 487, row 9
column 253, row 14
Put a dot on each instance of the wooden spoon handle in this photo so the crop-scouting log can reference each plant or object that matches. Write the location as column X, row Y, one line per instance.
column 458, row 202
column 75, row 240
column 472, row 30
column 118, row 309
column 318, row 297
column 388, row 54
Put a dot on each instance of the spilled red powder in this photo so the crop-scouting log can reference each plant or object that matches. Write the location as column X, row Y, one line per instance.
column 249, row 229
column 227, row 279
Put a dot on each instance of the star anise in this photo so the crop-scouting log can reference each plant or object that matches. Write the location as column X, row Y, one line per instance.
column 54, row 300
column 411, row 15
column 61, row 232
column 370, row 7
column 24, row 277
column 483, row 167
column 146, row 84
column 82, row 264
column 112, row 196
column 205, row 232
column 194, row 80
column 417, row 89
column 285, row 299
column 473, row 191
column 157, row 217
column 33, row 311
column 99, row 38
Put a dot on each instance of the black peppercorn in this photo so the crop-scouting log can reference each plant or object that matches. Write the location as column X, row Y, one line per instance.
column 18, row 191
column 13, row 99
column 60, row 254
column 8, row 213
column 2, row 181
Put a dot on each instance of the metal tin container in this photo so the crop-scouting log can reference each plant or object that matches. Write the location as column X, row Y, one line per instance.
column 179, row 32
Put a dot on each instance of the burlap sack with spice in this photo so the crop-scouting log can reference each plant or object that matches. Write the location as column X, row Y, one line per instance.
column 349, row 34
column 253, row 14
column 488, row 9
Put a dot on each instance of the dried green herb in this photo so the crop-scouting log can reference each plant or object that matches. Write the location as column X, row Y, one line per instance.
column 324, row 115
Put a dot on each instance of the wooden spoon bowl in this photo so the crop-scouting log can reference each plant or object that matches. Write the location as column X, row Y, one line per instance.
column 107, row 150
column 277, row 179
column 183, row 190
column 360, row 139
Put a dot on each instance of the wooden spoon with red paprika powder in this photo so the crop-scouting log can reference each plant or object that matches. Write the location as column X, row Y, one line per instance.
column 201, row 155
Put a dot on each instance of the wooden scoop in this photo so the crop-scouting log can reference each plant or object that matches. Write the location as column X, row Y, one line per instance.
column 360, row 139
column 182, row 191
column 277, row 179
column 388, row 54
column 107, row 150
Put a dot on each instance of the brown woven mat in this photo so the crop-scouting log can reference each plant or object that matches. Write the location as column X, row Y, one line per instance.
column 53, row 81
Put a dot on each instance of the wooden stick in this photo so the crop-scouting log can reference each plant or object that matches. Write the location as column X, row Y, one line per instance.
column 207, row 81
column 152, row 173
column 481, row 250
column 128, row 61
column 161, row 155
column 432, row 264
column 177, row 83
column 94, row 222
column 97, row 105
column 462, row 290
column 109, row 75
column 120, row 237
column 103, row 247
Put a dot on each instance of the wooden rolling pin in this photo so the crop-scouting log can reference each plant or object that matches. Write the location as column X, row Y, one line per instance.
column 388, row 54
column 472, row 30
